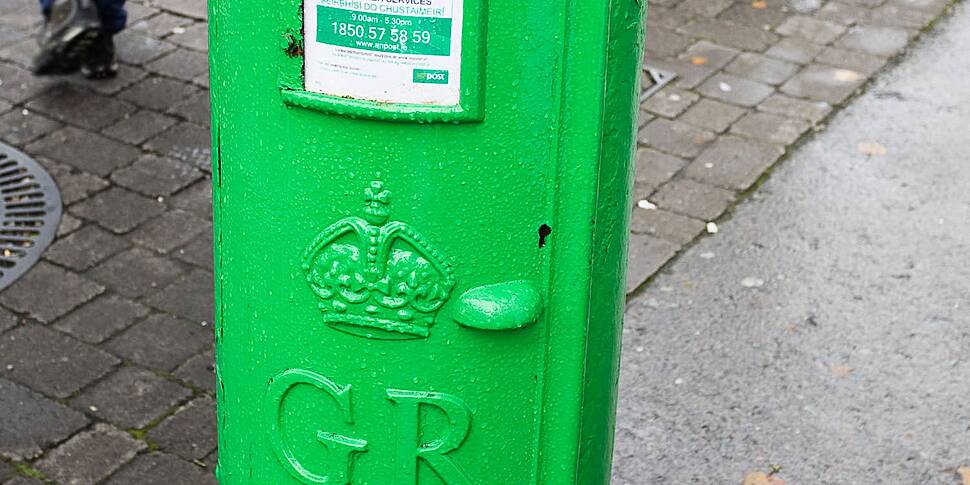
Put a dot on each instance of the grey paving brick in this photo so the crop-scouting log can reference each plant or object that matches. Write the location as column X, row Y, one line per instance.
column 814, row 30
column 47, row 292
column 139, row 11
column 19, row 84
column 20, row 52
column 77, row 185
column 842, row 13
column 18, row 127
column 733, row 162
column 647, row 255
column 189, row 433
column 195, row 109
column 689, row 75
column 158, row 93
column 7, row 320
column 865, row 3
column 188, row 8
column 51, row 362
column 824, row 83
column 74, row 184
column 85, row 150
column 118, row 210
column 709, row 54
column 706, row 8
column 134, row 272
column 664, row 43
column 875, row 40
column 861, row 62
column 12, row 33
column 68, row 225
column 183, row 64
column 744, row 13
column 189, row 297
column 712, row 115
column 674, row 137
column 935, row 7
column 814, row 111
column 127, row 75
column 169, row 231
column 22, row 480
column 735, row 90
column 692, row 198
column 156, row 176
column 5, row 471
column 762, row 68
column 794, row 50
column 160, row 25
column 896, row 16
column 31, row 423
column 194, row 36
column 199, row 251
column 670, row 102
column 91, row 456
column 202, row 80
column 162, row 341
column 212, row 460
column 654, row 169
column 100, row 319
column 134, row 47
column 131, row 398
column 85, row 248
column 196, row 198
column 666, row 225
column 187, row 142
column 662, row 16
column 731, row 35
column 140, row 126
column 162, row 469
column 771, row 128
column 808, row 6
column 80, row 107
column 199, row 371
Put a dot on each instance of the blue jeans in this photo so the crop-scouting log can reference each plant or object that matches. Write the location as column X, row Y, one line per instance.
column 112, row 12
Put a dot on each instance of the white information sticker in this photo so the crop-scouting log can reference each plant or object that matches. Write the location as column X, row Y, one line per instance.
column 393, row 51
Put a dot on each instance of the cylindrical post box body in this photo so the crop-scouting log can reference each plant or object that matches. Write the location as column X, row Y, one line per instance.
column 421, row 210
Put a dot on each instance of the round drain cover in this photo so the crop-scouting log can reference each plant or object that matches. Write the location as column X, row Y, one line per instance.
column 31, row 207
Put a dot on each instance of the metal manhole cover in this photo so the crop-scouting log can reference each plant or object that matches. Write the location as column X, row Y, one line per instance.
column 656, row 80
column 31, row 207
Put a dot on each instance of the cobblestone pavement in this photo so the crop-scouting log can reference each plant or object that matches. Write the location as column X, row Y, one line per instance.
column 106, row 369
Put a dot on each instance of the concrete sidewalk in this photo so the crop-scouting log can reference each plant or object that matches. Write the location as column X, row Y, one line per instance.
column 823, row 331
column 105, row 346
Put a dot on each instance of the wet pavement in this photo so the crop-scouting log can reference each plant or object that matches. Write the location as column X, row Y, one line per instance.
column 823, row 332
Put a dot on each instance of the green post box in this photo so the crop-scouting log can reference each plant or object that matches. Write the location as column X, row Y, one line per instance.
column 421, row 210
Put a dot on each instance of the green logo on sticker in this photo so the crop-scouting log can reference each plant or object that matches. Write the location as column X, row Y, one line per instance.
column 430, row 76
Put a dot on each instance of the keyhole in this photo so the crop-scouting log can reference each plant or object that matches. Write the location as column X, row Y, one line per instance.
column 544, row 231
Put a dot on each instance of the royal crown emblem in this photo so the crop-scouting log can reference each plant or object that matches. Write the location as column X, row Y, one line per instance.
column 377, row 279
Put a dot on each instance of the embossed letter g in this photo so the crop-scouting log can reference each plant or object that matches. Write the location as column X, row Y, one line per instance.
column 343, row 448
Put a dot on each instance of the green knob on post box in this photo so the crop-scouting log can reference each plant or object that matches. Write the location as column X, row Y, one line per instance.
column 501, row 306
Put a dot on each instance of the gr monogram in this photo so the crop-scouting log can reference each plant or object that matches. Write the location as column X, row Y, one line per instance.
column 344, row 450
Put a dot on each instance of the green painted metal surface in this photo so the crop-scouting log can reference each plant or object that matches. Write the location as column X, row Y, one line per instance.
column 423, row 294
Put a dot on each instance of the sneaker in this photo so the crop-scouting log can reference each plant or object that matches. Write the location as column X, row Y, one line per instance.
column 100, row 60
column 69, row 31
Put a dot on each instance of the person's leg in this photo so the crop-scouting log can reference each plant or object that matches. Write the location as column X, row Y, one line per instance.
column 45, row 7
column 70, row 28
column 100, row 61
column 113, row 15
